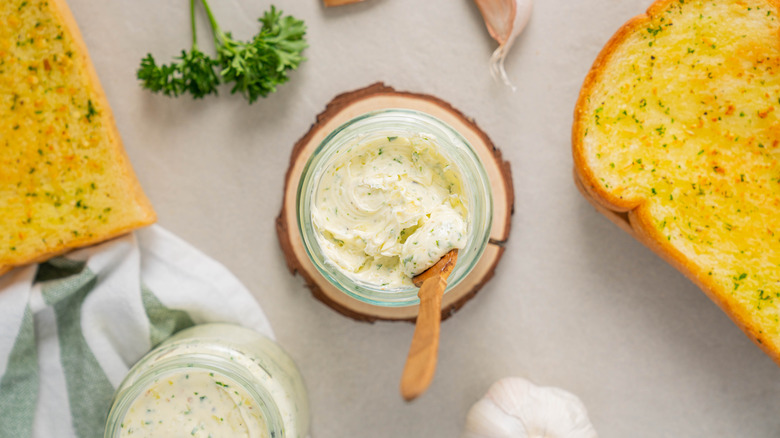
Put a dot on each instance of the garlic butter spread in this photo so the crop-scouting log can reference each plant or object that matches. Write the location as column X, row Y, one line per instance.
column 388, row 207
column 212, row 380
column 198, row 404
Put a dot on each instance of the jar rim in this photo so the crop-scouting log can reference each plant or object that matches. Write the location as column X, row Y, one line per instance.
column 453, row 145
column 139, row 379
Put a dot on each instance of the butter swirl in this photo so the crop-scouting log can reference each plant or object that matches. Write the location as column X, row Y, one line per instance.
column 388, row 207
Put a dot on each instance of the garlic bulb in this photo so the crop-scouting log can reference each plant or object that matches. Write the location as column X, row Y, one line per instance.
column 505, row 20
column 516, row 408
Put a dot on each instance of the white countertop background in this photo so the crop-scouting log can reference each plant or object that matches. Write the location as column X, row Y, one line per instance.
column 575, row 303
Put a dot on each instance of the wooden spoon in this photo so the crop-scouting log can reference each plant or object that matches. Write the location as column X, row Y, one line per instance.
column 421, row 362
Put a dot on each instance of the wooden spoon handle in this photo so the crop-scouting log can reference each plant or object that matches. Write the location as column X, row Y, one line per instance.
column 421, row 362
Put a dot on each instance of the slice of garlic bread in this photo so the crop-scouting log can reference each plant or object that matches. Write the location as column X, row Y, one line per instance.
column 65, row 181
column 676, row 138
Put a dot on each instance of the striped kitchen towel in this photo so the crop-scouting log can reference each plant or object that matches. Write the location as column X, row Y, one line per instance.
column 71, row 328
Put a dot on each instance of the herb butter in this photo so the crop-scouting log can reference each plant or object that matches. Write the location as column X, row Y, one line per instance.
column 212, row 380
column 389, row 206
column 198, row 403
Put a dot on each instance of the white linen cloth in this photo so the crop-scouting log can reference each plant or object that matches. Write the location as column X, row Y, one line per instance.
column 71, row 328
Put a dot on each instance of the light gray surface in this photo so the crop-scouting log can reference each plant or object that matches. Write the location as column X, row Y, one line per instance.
column 576, row 303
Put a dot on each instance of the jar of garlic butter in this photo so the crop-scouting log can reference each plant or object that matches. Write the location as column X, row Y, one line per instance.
column 212, row 380
column 386, row 190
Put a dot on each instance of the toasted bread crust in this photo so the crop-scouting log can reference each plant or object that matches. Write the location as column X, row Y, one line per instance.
column 141, row 213
column 633, row 214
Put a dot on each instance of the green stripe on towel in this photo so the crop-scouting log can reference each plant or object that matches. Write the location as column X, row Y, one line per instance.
column 89, row 390
column 19, row 384
column 58, row 268
column 163, row 321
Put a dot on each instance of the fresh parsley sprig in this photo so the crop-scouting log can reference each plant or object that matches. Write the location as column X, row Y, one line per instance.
column 253, row 67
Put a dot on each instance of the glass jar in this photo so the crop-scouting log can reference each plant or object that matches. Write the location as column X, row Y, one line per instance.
column 397, row 122
column 230, row 381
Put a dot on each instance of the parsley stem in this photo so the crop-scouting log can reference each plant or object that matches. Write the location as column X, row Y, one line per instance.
column 214, row 26
column 192, row 22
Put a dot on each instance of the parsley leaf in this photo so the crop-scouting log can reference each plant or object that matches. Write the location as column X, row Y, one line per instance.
column 254, row 67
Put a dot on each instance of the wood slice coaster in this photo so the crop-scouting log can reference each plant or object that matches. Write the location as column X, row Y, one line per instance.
column 348, row 106
column 330, row 3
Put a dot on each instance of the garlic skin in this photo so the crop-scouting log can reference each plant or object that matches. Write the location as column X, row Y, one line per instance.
column 505, row 20
column 516, row 408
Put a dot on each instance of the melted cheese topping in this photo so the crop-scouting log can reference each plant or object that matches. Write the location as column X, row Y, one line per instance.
column 388, row 208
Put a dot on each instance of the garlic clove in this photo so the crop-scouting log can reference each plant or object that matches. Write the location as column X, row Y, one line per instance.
column 516, row 408
column 505, row 20
column 499, row 16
